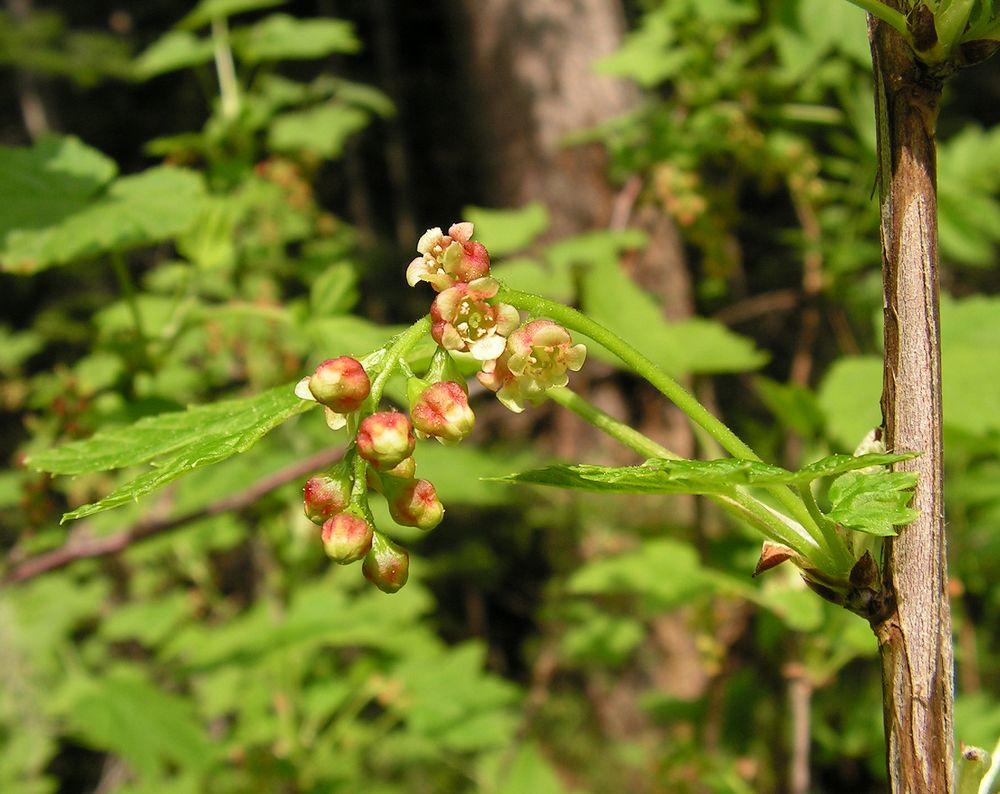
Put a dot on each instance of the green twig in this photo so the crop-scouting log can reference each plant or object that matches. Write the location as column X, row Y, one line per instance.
column 636, row 361
column 395, row 351
column 229, row 89
column 887, row 14
column 606, row 423
column 676, row 393
column 128, row 291
column 830, row 539
column 741, row 504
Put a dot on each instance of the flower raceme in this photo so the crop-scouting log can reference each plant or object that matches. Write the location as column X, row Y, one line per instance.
column 467, row 320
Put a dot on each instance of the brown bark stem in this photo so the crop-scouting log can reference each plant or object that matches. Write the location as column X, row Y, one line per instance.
column 915, row 636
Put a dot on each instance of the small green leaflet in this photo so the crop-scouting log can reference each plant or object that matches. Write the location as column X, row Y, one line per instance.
column 873, row 502
column 174, row 444
column 694, row 476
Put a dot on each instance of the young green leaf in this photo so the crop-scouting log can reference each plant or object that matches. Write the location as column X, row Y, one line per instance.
column 873, row 502
column 175, row 443
column 135, row 210
column 124, row 713
column 693, row 476
column 280, row 37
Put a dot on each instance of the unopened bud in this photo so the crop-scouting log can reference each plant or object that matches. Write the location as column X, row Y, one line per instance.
column 347, row 537
column 325, row 495
column 387, row 565
column 385, row 439
column 414, row 503
column 442, row 411
column 401, row 471
column 341, row 384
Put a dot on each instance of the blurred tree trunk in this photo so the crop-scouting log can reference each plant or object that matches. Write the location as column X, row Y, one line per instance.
column 914, row 630
column 532, row 79
column 533, row 83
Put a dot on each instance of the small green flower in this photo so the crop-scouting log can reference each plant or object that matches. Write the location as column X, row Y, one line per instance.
column 537, row 357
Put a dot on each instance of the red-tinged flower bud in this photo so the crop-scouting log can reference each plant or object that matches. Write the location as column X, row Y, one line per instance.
column 442, row 411
column 325, row 495
column 385, row 439
column 387, row 565
column 414, row 503
column 347, row 537
column 341, row 384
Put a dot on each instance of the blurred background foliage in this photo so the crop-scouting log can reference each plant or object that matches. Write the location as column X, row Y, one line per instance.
column 200, row 201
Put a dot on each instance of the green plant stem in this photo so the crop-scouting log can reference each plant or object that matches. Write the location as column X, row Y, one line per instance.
column 128, row 291
column 229, row 89
column 830, row 539
column 621, row 432
column 772, row 524
column 735, row 501
column 888, row 15
column 395, row 351
column 677, row 394
column 636, row 361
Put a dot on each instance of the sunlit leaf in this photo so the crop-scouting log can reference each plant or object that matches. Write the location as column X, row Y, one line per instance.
column 321, row 130
column 873, row 502
column 177, row 49
column 208, row 10
column 693, row 476
column 508, row 231
column 136, row 210
column 175, row 443
column 281, row 37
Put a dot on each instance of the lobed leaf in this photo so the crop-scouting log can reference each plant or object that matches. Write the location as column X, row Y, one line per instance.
column 175, row 443
column 874, row 503
column 208, row 10
column 135, row 210
column 280, row 37
column 177, row 49
column 322, row 130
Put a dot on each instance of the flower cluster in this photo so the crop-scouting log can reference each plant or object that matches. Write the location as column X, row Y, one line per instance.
column 517, row 361
column 381, row 460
